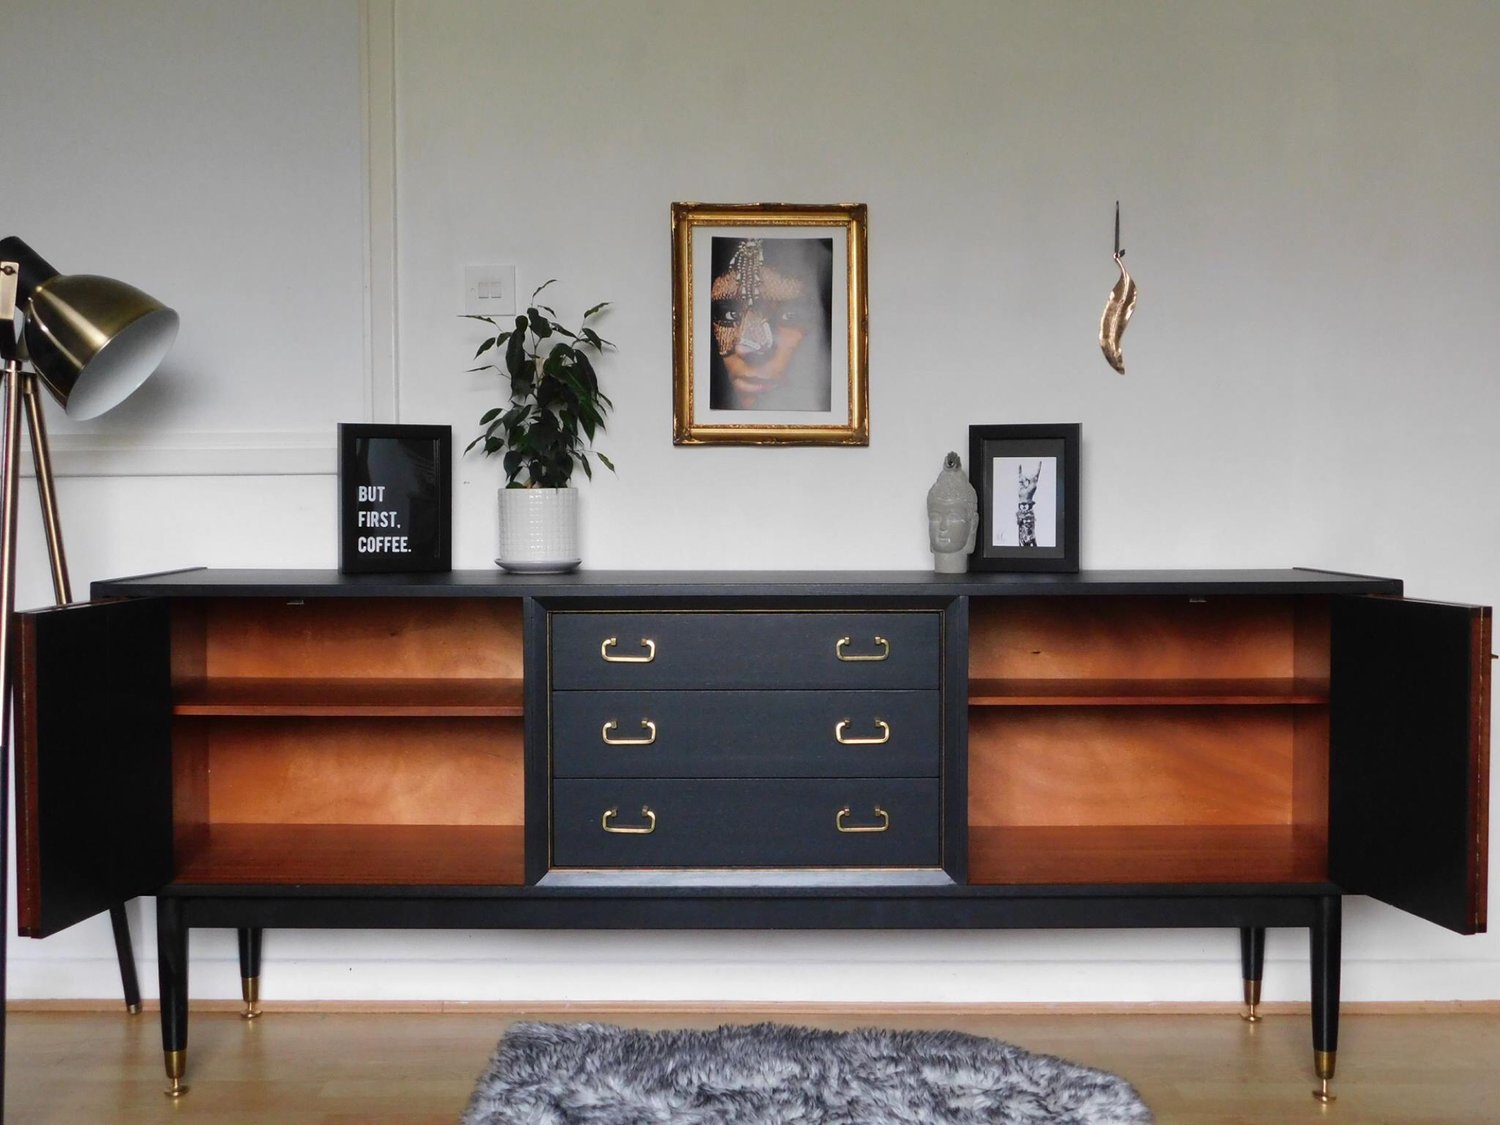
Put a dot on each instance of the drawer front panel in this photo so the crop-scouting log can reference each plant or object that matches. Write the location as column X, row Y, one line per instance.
column 746, row 734
column 745, row 650
column 739, row 823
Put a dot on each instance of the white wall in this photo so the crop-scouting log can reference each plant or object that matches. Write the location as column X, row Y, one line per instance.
column 1309, row 208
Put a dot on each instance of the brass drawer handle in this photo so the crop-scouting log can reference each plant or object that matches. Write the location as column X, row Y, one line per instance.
column 885, row 821
column 646, row 724
column 881, row 740
column 609, row 642
column 629, row 829
column 883, row 654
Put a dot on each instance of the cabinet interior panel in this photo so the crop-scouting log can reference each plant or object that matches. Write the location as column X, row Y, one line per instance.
column 354, row 854
column 1157, row 638
column 1146, row 693
column 349, row 697
column 330, row 638
column 1134, row 766
column 1117, row 855
column 286, row 771
column 1310, row 768
column 189, row 783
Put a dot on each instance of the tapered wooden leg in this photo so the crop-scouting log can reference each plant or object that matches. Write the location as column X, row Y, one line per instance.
column 172, row 961
column 250, row 972
column 1326, row 954
column 125, row 952
column 1252, row 968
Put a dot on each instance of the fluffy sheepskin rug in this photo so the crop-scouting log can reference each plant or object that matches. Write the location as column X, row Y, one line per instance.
column 768, row 1074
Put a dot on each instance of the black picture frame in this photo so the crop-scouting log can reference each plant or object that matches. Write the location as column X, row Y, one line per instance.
column 395, row 498
column 999, row 459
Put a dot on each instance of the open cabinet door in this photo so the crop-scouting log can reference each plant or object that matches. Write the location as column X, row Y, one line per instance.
column 93, row 761
column 1409, row 756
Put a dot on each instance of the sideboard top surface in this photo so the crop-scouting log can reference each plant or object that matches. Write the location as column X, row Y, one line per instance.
column 214, row 582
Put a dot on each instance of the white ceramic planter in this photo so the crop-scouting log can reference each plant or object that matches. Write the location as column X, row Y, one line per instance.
column 539, row 530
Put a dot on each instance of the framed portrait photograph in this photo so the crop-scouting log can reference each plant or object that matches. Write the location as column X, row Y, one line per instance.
column 1028, row 485
column 395, row 498
column 770, row 324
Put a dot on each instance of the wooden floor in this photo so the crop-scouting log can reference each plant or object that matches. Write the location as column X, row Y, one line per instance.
column 300, row 1068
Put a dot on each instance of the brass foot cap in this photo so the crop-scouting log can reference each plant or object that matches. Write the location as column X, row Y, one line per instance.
column 1250, row 1015
column 133, row 1009
column 250, row 1014
column 176, row 1089
column 1323, row 1094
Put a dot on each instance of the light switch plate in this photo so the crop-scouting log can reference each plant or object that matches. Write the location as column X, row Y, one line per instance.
column 489, row 290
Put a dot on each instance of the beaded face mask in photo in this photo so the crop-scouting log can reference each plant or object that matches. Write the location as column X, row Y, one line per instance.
column 766, row 304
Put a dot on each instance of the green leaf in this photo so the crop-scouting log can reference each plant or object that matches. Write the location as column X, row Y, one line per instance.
column 586, row 374
column 561, row 331
column 599, row 308
column 476, row 316
column 557, row 360
column 484, row 347
column 489, row 416
column 539, row 324
column 538, row 289
column 512, row 464
column 515, row 354
column 588, row 472
column 593, row 337
column 493, row 445
column 610, row 465
column 473, row 443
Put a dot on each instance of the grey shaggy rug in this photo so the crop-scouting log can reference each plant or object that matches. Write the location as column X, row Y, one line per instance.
column 768, row 1074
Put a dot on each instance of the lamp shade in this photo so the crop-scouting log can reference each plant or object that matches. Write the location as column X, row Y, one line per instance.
column 92, row 340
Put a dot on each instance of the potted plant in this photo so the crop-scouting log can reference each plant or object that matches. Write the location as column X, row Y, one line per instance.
column 544, row 432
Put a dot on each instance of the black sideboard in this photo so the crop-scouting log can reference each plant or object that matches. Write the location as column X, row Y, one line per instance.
column 639, row 750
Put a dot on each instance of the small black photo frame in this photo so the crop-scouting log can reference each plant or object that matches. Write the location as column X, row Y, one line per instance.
column 395, row 498
column 1028, row 485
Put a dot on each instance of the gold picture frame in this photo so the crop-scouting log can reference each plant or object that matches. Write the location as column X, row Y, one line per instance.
column 766, row 348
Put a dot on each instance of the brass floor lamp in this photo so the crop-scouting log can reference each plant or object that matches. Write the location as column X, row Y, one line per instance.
column 91, row 341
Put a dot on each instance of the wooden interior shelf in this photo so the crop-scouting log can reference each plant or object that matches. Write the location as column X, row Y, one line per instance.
column 1133, row 854
column 350, row 697
column 1075, row 692
column 354, row 854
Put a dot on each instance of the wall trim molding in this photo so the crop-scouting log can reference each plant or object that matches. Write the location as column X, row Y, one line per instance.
column 377, row 65
column 208, row 454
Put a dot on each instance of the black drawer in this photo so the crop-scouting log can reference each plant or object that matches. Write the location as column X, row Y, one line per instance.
column 892, row 822
column 746, row 734
column 745, row 650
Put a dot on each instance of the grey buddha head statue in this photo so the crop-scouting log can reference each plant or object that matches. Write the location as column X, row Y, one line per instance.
column 952, row 518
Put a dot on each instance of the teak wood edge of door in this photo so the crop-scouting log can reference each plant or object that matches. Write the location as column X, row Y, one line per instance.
column 28, row 834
